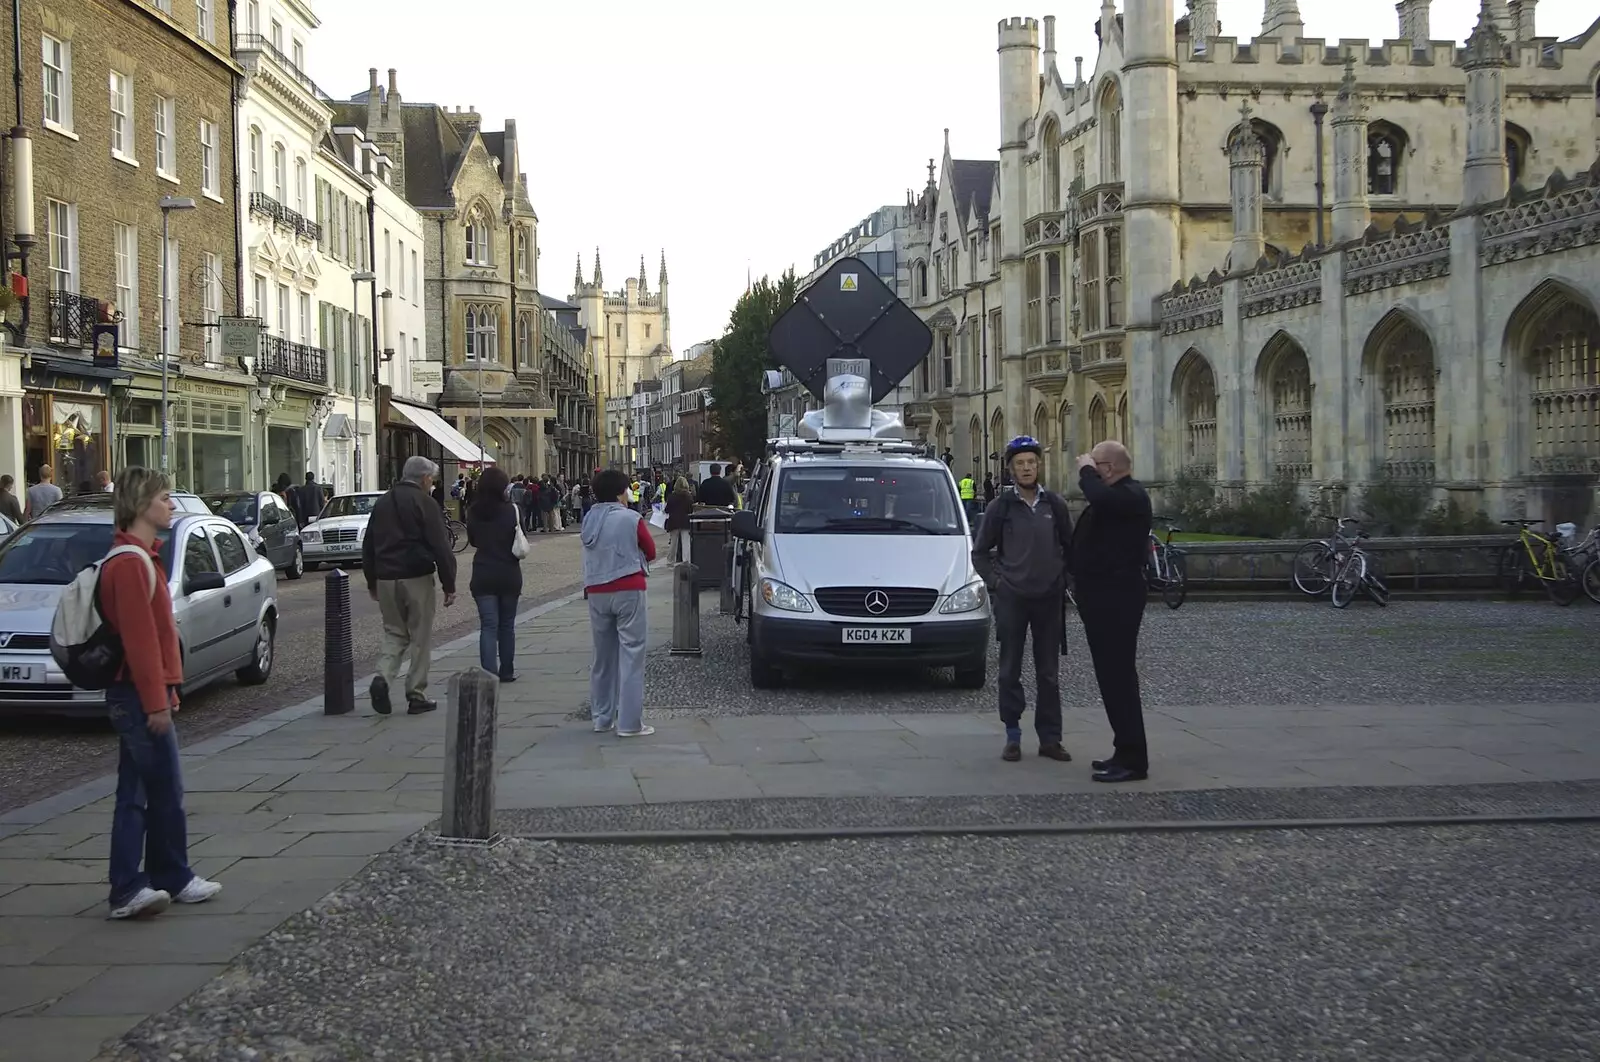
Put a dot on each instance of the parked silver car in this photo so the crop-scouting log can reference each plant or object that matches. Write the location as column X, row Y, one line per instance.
column 335, row 536
column 267, row 522
column 224, row 597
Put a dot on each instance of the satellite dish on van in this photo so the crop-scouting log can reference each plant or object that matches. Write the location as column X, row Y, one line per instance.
column 848, row 313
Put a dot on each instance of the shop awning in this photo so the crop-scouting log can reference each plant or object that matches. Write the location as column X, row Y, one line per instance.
column 434, row 426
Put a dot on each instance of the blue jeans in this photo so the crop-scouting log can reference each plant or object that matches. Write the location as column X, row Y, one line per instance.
column 148, row 821
column 497, row 634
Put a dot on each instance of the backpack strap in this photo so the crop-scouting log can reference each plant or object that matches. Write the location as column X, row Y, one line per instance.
column 140, row 551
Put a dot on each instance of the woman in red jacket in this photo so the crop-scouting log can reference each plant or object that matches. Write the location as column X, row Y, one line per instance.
column 149, row 820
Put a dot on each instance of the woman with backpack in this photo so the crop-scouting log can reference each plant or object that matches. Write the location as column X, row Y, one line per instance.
column 494, row 528
column 149, row 820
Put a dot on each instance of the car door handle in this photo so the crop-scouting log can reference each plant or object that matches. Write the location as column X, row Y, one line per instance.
column 227, row 600
column 258, row 586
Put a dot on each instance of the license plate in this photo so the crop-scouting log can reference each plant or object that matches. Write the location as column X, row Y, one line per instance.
column 878, row 635
column 20, row 673
column 341, row 547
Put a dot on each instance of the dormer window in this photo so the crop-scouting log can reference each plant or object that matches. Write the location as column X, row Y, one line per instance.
column 480, row 250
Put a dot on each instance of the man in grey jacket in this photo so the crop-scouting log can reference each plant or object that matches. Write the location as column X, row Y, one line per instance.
column 1022, row 552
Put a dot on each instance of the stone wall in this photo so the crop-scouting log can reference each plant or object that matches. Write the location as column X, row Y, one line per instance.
column 1464, row 562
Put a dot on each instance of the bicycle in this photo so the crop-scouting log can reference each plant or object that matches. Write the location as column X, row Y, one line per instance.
column 458, row 534
column 1536, row 556
column 1315, row 562
column 1585, row 559
column 1168, row 571
column 1357, row 571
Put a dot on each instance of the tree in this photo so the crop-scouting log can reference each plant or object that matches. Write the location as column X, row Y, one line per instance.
column 738, row 417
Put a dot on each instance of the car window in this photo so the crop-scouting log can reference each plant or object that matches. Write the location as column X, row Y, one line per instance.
column 350, row 505
column 198, row 556
column 231, row 548
column 857, row 499
column 54, row 552
column 240, row 508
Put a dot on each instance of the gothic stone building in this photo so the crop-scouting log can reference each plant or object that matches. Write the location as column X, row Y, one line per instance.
column 1093, row 221
column 630, row 341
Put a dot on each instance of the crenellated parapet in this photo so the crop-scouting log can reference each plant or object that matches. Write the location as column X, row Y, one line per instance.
column 1564, row 214
column 1233, row 59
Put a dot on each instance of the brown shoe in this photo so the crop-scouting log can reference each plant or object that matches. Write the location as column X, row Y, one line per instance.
column 1012, row 752
column 1055, row 751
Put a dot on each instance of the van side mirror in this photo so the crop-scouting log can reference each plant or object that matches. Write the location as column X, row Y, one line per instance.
column 204, row 581
column 745, row 526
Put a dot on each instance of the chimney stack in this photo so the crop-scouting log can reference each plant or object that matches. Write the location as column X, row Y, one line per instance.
column 1049, row 42
column 1077, row 61
column 393, row 98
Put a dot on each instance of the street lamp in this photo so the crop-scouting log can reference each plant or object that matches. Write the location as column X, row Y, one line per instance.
column 356, row 280
column 168, row 204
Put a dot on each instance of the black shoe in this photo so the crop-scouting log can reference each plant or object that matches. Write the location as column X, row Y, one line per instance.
column 1055, row 751
column 379, row 692
column 1012, row 752
column 510, row 677
column 1105, row 764
column 420, row 705
column 1116, row 772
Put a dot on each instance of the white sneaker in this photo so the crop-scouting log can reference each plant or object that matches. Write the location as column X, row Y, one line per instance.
column 604, row 728
column 199, row 890
column 144, row 902
column 644, row 731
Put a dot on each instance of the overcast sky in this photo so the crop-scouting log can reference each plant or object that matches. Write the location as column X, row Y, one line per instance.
column 739, row 136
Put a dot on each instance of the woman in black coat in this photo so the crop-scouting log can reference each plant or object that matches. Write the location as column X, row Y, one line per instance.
column 496, row 572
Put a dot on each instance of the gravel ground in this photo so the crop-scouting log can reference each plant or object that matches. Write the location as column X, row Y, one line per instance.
column 1214, row 805
column 1427, row 944
column 41, row 756
column 1269, row 652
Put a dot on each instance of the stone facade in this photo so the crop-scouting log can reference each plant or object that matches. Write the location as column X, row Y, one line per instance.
column 630, row 340
column 1092, row 222
column 572, row 383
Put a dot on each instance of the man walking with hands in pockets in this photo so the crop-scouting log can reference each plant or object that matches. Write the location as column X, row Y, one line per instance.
column 1022, row 550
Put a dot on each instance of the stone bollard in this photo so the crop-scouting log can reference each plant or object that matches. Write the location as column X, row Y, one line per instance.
column 338, row 667
column 726, row 599
column 469, row 765
column 685, row 610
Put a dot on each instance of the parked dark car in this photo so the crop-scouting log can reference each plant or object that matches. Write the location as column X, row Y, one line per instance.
column 269, row 525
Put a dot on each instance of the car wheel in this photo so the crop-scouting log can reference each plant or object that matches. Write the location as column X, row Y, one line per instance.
column 297, row 566
column 260, row 667
column 973, row 676
column 763, row 675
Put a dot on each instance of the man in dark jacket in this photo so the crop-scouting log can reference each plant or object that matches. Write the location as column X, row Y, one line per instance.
column 311, row 500
column 716, row 490
column 1109, row 552
column 405, row 545
column 1022, row 551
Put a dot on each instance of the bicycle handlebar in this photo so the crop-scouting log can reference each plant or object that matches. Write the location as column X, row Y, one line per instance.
column 1521, row 523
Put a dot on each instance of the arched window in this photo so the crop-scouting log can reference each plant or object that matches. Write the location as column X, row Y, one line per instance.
column 524, row 261
column 1386, row 146
column 482, row 336
column 1110, row 121
column 1401, row 355
column 480, row 239
column 1122, row 419
column 524, row 339
column 997, row 434
column 255, row 161
column 1050, row 147
column 1271, row 138
column 1287, row 378
column 1041, row 431
column 921, row 272
column 1068, row 443
column 1197, row 410
column 280, row 173
column 1518, row 147
column 975, row 441
column 1560, row 348
column 1099, row 426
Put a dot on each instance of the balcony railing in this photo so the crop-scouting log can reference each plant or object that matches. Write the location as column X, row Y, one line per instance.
column 295, row 361
column 263, row 205
column 256, row 42
column 73, row 317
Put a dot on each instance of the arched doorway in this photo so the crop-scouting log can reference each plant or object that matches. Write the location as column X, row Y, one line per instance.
column 997, row 442
column 1556, row 337
column 1400, row 356
column 1195, row 385
column 1041, row 431
column 1284, row 376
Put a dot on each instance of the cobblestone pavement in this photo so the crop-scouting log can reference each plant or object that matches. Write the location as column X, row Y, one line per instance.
column 1415, row 944
column 39, row 756
column 1278, row 652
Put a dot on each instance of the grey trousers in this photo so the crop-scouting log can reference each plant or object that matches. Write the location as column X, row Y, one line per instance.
column 616, row 677
column 407, row 607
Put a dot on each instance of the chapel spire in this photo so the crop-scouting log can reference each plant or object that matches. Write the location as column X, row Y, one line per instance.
column 599, row 279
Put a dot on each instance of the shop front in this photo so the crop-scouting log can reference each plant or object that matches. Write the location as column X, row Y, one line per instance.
column 286, row 439
column 207, row 444
column 65, row 420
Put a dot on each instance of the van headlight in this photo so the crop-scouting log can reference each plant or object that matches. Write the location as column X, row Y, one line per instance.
column 783, row 596
column 969, row 598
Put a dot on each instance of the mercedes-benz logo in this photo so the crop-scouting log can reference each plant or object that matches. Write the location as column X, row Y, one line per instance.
column 877, row 602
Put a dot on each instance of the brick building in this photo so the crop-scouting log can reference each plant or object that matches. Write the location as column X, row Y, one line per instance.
column 127, row 102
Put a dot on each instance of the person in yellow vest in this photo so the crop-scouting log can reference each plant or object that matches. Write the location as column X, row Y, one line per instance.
column 969, row 497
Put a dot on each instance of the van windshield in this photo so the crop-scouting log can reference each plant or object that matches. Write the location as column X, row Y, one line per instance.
column 864, row 500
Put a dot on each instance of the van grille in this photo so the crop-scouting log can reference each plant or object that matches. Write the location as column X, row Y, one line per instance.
column 903, row 601
column 25, row 641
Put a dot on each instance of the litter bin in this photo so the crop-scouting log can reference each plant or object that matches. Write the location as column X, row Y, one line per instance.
column 708, row 535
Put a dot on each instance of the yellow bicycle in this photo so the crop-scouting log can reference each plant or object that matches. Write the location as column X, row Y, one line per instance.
column 1535, row 556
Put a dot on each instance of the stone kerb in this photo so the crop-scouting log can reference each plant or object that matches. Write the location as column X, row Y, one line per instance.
column 1454, row 562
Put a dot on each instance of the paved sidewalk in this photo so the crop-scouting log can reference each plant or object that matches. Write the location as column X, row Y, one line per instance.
column 287, row 808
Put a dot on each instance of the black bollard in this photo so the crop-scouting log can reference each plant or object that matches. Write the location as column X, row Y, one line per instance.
column 685, row 610
column 469, row 765
column 338, row 689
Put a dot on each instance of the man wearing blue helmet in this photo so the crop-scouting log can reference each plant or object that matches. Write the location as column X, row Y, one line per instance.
column 1022, row 551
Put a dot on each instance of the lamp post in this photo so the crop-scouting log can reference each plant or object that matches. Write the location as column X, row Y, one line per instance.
column 168, row 204
column 356, row 280
column 386, row 313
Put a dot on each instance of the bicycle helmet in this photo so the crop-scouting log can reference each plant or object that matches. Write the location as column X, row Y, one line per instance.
column 1023, row 444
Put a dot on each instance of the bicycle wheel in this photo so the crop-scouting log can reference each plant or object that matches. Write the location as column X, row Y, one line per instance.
column 1176, row 587
column 1376, row 586
column 1562, row 586
column 1312, row 567
column 1591, row 580
column 458, row 536
column 1511, row 570
column 1348, row 578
